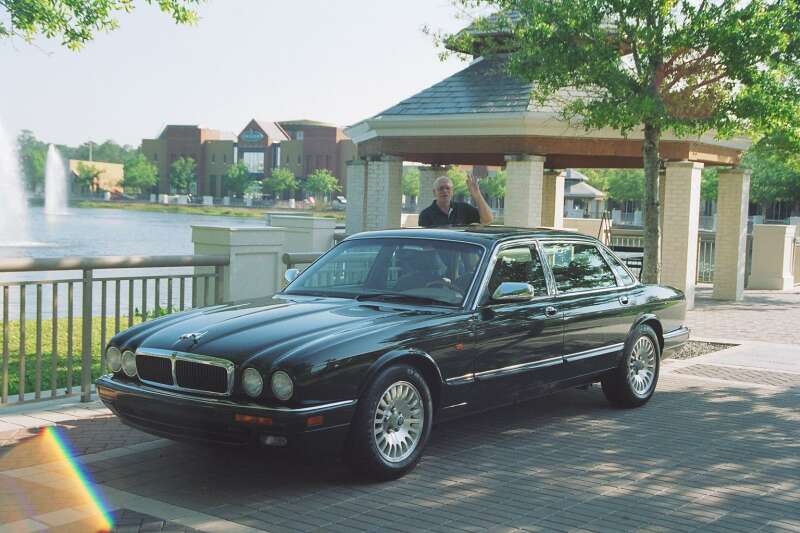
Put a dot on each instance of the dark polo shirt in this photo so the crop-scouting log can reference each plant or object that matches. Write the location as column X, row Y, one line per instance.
column 460, row 214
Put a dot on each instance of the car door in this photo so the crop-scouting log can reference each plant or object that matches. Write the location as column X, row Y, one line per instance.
column 518, row 344
column 594, row 306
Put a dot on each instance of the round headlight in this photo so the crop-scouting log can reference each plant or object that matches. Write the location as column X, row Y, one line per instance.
column 282, row 385
column 252, row 382
column 129, row 363
column 114, row 359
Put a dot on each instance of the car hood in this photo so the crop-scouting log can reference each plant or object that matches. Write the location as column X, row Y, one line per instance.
column 275, row 326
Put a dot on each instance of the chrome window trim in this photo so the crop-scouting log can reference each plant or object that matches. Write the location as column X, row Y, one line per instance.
column 461, row 380
column 559, row 294
column 608, row 252
column 487, row 274
column 175, row 356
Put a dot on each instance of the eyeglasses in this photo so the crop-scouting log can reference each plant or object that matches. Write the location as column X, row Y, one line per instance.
column 444, row 188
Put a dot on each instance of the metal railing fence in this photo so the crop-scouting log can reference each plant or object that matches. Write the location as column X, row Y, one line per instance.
column 133, row 299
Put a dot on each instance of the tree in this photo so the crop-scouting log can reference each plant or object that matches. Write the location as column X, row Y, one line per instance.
column 494, row 185
column 459, row 178
column 86, row 176
column 76, row 21
column 182, row 176
column 774, row 178
column 678, row 66
column 140, row 174
column 625, row 185
column 33, row 156
column 322, row 182
column 237, row 177
column 411, row 182
column 282, row 179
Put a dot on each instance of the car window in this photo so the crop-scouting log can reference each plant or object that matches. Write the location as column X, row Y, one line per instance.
column 348, row 268
column 623, row 274
column 518, row 264
column 578, row 267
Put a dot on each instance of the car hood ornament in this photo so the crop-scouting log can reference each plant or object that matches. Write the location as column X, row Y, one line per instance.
column 192, row 336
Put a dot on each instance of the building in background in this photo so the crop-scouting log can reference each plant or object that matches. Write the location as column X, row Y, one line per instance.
column 301, row 146
column 580, row 198
column 109, row 175
column 213, row 152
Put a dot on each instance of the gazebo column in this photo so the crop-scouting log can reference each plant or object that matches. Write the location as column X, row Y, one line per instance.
column 356, row 196
column 553, row 199
column 733, row 197
column 524, row 190
column 681, row 223
column 427, row 175
column 384, row 195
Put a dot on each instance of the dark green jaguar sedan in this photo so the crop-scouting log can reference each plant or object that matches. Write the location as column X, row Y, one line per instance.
column 391, row 331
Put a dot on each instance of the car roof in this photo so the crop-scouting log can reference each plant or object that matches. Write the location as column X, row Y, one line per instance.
column 485, row 235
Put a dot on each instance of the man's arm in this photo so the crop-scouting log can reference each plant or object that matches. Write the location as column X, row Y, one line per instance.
column 477, row 197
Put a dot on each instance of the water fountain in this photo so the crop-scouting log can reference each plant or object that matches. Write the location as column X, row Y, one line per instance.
column 55, row 183
column 13, row 202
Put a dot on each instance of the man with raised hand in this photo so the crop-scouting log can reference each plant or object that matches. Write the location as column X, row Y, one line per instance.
column 445, row 212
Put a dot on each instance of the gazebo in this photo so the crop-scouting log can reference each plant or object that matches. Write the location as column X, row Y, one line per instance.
column 483, row 116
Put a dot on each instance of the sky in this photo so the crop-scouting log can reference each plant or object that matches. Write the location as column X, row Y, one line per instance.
column 337, row 61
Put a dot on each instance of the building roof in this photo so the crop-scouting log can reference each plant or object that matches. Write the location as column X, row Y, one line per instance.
column 273, row 130
column 576, row 185
column 485, row 86
column 304, row 122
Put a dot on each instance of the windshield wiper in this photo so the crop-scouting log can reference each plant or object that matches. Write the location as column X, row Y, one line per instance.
column 399, row 297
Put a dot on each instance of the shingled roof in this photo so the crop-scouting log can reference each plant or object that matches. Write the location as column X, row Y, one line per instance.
column 485, row 86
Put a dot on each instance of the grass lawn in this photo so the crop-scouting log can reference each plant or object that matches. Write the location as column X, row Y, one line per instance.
column 245, row 212
column 62, row 359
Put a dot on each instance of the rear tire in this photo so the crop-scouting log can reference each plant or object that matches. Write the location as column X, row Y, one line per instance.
column 633, row 382
column 392, row 424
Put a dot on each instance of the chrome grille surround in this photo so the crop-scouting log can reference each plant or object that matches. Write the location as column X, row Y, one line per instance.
column 174, row 356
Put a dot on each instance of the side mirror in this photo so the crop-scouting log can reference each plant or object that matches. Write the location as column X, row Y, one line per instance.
column 291, row 275
column 512, row 291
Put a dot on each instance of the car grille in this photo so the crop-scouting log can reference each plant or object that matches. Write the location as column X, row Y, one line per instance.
column 188, row 372
column 200, row 376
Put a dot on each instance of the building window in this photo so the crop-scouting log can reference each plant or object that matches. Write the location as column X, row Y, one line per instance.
column 299, row 136
column 155, row 157
column 299, row 159
column 254, row 161
column 328, row 162
column 224, row 158
column 213, row 158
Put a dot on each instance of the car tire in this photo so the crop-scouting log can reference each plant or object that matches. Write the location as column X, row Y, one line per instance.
column 392, row 424
column 633, row 382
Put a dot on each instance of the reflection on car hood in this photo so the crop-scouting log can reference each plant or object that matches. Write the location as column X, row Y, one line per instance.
column 277, row 326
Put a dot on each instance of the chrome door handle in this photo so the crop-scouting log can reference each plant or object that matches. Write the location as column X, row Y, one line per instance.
column 623, row 300
column 550, row 310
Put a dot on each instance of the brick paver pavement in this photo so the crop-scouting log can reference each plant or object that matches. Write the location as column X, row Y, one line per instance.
column 769, row 316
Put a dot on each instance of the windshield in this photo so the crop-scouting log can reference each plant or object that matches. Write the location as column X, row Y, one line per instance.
column 415, row 270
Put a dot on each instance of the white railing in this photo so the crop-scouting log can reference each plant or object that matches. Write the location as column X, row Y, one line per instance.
column 114, row 301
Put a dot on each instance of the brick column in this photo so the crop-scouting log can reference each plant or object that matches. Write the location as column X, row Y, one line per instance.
column 524, row 190
column 733, row 197
column 427, row 175
column 553, row 199
column 681, row 222
column 773, row 246
column 384, row 193
column 356, row 196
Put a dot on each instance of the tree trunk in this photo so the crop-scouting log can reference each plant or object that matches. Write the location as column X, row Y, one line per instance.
column 651, row 268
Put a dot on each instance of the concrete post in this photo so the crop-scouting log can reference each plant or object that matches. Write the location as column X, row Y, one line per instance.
column 524, row 190
column 427, row 175
column 356, row 196
column 255, row 254
column 553, row 199
column 773, row 246
column 303, row 233
column 384, row 192
column 733, row 197
column 681, row 224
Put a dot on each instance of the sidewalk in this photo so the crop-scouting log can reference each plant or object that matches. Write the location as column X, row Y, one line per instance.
column 717, row 449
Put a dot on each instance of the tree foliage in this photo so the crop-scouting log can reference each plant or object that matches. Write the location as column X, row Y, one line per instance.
column 322, row 182
column 182, row 174
column 75, row 22
column 237, row 177
column 140, row 174
column 494, row 185
column 86, row 175
column 679, row 66
column 774, row 178
column 411, row 182
column 33, row 158
column 459, row 178
column 282, row 179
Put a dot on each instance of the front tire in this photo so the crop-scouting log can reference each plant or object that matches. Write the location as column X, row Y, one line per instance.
column 392, row 424
column 633, row 382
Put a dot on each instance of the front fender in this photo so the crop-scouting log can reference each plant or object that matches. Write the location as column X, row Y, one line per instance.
column 417, row 358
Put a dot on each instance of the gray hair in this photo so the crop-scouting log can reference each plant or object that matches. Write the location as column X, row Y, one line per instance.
column 440, row 179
